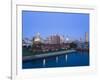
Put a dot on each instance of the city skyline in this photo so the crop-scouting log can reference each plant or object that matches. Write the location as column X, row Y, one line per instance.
column 48, row 23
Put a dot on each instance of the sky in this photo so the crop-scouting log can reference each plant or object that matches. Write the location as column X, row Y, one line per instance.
column 73, row 25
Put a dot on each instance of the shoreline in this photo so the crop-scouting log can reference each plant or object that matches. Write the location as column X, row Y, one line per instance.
column 49, row 54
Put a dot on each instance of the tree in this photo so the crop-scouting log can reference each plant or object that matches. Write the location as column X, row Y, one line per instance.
column 73, row 45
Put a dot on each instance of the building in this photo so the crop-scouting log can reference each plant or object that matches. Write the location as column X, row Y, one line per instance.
column 37, row 39
column 62, row 39
column 54, row 39
column 86, row 37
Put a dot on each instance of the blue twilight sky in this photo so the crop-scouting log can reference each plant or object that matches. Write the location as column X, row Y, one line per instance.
column 73, row 25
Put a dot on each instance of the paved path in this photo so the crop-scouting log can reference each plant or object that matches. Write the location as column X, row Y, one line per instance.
column 46, row 55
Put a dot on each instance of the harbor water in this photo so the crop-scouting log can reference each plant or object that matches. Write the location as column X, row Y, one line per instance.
column 71, row 59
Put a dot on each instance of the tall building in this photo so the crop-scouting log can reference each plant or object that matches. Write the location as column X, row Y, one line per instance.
column 62, row 39
column 86, row 37
column 53, row 39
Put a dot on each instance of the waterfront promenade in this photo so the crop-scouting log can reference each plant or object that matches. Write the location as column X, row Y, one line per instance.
column 49, row 54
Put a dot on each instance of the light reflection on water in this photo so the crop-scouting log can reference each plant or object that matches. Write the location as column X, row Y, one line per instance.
column 66, row 60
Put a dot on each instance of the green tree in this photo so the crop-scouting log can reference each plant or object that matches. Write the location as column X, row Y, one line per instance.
column 73, row 45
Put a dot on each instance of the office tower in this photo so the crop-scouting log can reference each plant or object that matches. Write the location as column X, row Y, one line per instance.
column 86, row 37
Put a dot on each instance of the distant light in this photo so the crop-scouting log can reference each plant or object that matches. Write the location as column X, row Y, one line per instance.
column 67, row 39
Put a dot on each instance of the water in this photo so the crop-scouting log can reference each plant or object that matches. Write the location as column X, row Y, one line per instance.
column 66, row 60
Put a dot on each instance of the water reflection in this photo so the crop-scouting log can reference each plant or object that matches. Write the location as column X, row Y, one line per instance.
column 71, row 59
